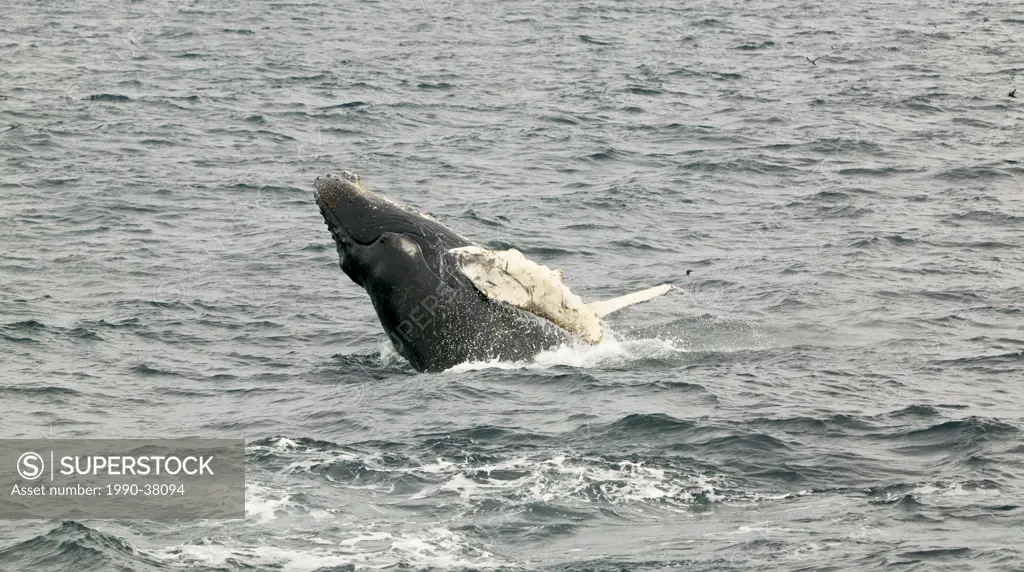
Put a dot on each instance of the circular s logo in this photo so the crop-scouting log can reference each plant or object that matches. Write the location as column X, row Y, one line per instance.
column 30, row 466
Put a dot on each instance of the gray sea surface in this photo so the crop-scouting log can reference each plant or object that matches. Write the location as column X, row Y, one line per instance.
column 836, row 386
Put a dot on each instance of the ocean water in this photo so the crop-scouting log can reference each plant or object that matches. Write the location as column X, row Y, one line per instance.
column 836, row 386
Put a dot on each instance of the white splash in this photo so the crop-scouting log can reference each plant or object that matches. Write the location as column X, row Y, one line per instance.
column 609, row 353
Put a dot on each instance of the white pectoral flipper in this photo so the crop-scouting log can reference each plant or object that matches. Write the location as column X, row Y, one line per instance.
column 605, row 307
column 508, row 276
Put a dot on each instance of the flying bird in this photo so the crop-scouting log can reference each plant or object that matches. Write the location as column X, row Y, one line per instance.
column 1013, row 93
column 812, row 61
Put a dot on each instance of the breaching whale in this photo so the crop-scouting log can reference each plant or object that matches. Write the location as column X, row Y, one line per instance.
column 444, row 300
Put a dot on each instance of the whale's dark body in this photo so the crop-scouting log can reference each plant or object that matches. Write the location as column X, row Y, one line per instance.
column 433, row 315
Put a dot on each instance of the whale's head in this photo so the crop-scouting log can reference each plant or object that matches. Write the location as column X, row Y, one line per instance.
column 358, row 218
column 351, row 212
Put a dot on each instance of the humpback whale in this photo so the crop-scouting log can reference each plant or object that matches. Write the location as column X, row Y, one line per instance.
column 443, row 299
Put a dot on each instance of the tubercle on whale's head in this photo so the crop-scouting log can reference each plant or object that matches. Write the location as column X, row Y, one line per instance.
column 331, row 188
column 360, row 214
